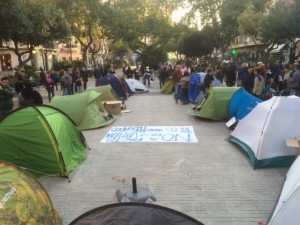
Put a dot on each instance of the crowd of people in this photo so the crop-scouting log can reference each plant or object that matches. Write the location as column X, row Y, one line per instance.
column 263, row 81
column 259, row 79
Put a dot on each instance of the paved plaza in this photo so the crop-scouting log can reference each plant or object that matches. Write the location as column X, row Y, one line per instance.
column 211, row 181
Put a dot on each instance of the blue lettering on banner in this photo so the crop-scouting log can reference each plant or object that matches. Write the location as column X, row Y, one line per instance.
column 151, row 134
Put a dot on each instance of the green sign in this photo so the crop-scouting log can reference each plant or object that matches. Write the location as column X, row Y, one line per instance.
column 233, row 51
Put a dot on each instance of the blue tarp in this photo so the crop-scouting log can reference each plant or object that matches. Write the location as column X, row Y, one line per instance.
column 117, row 84
column 242, row 103
column 194, row 90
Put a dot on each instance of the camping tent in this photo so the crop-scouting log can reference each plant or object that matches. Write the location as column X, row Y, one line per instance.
column 215, row 105
column 43, row 140
column 134, row 213
column 85, row 109
column 241, row 103
column 136, row 86
column 263, row 132
column 23, row 199
column 286, row 210
column 167, row 88
column 117, row 83
column 195, row 94
column 107, row 93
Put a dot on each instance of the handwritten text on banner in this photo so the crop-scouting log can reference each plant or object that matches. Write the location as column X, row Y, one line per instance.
column 151, row 134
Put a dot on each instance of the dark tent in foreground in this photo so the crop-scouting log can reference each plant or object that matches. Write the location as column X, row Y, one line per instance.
column 42, row 140
column 23, row 200
column 134, row 214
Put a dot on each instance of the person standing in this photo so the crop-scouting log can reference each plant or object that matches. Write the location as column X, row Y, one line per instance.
column 231, row 75
column 296, row 80
column 97, row 76
column 185, row 83
column 242, row 74
column 259, row 83
column 146, row 77
column 176, row 76
column 28, row 96
column 6, row 97
column 85, row 77
column 49, row 83
column 78, row 82
column 249, row 83
column 66, row 82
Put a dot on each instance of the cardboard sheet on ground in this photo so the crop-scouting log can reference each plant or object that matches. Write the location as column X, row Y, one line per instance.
column 150, row 134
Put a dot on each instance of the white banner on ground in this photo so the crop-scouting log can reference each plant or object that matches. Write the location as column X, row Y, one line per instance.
column 151, row 134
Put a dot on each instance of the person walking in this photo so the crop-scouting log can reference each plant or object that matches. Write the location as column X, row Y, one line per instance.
column 66, row 82
column 49, row 84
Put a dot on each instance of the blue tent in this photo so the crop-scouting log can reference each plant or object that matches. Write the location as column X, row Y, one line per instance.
column 118, row 84
column 242, row 103
column 194, row 90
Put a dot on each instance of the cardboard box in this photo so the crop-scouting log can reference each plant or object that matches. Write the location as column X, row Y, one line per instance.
column 294, row 143
column 114, row 107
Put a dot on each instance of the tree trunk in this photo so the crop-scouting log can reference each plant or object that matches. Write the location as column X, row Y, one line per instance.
column 22, row 63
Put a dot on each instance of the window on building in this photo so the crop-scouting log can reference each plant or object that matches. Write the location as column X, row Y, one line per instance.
column 6, row 63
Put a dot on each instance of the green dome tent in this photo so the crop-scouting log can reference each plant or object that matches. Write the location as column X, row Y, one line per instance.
column 43, row 140
column 168, row 87
column 23, row 200
column 215, row 105
column 85, row 109
column 107, row 93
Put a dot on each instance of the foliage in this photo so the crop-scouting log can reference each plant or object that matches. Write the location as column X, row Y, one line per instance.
column 278, row 25
column 198, row 43
column 62, row 65
column 152, row 56
column 83, row 17
column 139, row 24
column 29, row 72
column 30, row 23
column 119, row 48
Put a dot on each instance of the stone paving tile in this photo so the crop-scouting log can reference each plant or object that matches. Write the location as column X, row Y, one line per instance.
column 212, row 180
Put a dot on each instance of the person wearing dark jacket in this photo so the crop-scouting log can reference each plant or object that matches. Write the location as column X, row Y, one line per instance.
column 249, row 83
column 6, row 97
column 28, row 96
column 19, row 85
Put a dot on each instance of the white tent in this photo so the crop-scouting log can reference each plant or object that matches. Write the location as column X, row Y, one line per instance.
column 287, row 208
column 262, row 134
column 136, row 86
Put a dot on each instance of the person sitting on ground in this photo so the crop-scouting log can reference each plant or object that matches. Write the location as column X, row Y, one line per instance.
column 28, row 96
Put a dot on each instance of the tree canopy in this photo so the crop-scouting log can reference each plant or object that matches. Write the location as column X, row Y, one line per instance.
column 29, row 23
